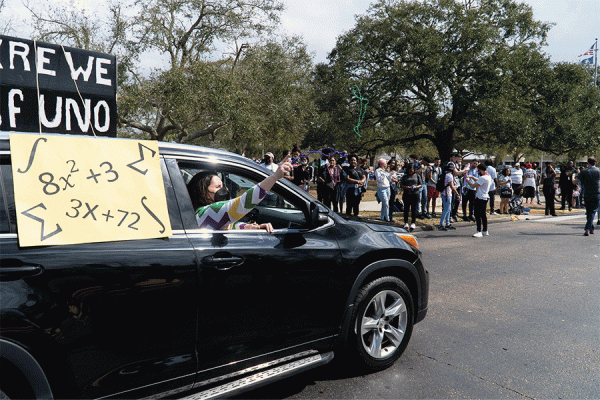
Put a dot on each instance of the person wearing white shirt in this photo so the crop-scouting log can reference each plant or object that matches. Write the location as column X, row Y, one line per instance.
column 482, row 187
column 494, row 176
column 516, row 177
column 384, row 180
column 268, row 162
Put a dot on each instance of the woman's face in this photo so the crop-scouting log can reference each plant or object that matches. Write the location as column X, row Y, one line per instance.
column 215, row 185
column 353, row 162
column 332, row 162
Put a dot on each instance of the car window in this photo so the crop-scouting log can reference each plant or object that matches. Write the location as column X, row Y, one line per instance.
column 282, row 210
column 8, row 220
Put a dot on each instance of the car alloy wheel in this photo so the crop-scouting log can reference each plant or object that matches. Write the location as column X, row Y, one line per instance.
column 383, row 324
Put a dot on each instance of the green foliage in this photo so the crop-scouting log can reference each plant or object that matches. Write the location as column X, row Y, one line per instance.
column 433, row 69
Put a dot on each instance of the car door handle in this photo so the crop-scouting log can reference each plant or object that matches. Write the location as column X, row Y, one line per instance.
column 224, row 262
column 14, row 273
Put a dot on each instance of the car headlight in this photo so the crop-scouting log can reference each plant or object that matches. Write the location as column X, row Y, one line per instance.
column 410, row 239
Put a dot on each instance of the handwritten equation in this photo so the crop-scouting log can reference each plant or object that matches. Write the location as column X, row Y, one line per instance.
column 71, row 189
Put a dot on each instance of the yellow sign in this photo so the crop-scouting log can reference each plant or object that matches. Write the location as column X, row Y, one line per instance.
column 78, row 189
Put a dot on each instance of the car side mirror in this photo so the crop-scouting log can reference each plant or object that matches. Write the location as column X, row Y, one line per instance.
column 318, row 216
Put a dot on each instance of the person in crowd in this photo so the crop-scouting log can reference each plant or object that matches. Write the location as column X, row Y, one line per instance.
column 321, row 166
column 529, row 178
column 268, row 162
column 590, row 181
column 366, row 168
column 384, row 180
column 482, row 185
column 538, row 182
column 516, row 177
column 210, row 198
column 576, row 189
column 330, row 178
column 494, row 176
column 435, row 173
column 468, row 198
column 548, row 181
column 344, row 162
column 446, row 196
column 392, row 168
column 458, row 174
column 354, row 179
column 580, row 200
column 418, row 167
column 301, row 176
column 505, row 189
column 565, row 182
column 425, row 170
column 411, row 184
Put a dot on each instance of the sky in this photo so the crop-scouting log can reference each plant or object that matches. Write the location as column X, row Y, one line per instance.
column 320, row 22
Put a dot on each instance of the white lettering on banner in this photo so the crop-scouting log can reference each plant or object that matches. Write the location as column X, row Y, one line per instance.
column 100, row 70
column 23, row 53
column 57, row 115
column 42, row 60
column 101, row 110
column 106, row 126
column 83, row 125
column 12, row 109
column 64, row 88
column 76, row 72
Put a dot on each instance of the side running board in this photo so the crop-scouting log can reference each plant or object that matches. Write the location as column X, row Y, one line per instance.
column 263, row 377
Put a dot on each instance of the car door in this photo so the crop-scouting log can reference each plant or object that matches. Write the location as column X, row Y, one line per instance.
column 261, row 292
column 102, row 318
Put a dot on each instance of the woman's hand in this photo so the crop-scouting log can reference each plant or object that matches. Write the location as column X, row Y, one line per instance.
column 285, row 168
column 268, row 227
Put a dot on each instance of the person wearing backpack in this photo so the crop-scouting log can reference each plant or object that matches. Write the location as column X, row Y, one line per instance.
column 445, row 185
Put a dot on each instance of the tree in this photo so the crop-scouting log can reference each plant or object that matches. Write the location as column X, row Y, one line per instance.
column 566, row 112
column 433, row 70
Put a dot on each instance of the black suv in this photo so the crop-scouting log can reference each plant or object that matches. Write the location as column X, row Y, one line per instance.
column 203, row 313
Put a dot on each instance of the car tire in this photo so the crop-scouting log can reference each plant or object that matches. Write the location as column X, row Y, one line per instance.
column 382, row 323
column 13, row 384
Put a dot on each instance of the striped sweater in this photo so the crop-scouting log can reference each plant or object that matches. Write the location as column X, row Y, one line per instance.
column 225, row 214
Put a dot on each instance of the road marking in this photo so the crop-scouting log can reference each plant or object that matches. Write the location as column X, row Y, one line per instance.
column 565, row 218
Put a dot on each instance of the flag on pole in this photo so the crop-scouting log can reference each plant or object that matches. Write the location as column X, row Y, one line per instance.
column 590, row 52
column 587, row 60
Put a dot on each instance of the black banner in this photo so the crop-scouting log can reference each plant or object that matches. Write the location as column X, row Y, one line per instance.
column 60, row 73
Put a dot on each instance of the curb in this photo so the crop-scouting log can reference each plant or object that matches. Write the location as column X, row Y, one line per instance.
column 423, row 227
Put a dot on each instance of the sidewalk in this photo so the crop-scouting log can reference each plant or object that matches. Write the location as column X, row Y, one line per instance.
column 370, row 211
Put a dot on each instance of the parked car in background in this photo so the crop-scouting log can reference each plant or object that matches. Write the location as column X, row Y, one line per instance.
column 203, row 312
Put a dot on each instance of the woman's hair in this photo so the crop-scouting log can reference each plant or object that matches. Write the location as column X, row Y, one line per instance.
column 198, row 188
column 506, row 172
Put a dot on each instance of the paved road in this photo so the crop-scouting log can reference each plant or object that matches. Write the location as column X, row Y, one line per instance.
column 515, row 315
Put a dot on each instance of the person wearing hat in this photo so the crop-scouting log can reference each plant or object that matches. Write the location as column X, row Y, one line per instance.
column 529, row 179
column 446, row 195
column 268, row 162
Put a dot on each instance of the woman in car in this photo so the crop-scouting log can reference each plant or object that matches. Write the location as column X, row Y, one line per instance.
column 214, row 209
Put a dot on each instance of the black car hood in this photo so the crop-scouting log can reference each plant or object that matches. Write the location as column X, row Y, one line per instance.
column 377, row 227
